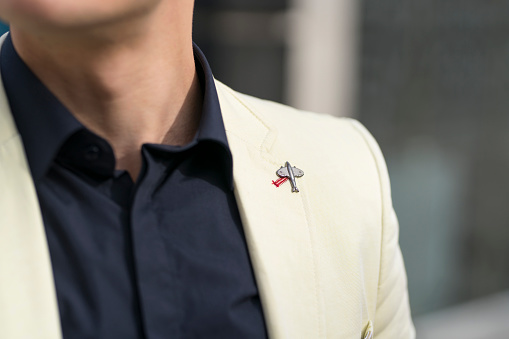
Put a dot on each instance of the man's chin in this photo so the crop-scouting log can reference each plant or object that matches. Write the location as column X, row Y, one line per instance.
column 57, row 15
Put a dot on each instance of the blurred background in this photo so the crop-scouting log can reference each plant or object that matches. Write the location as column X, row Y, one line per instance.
column 430, row 80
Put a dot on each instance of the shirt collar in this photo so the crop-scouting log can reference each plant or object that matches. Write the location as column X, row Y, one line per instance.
column 45, row 124
column 42, row 121
column 211, row 126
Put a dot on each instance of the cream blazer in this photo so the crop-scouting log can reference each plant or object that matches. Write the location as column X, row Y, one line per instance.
column 326, row 259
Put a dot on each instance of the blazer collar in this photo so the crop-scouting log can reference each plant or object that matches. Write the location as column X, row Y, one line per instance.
column 275, row 222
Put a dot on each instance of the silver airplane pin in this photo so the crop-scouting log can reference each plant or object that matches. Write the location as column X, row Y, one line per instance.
column 291, row 173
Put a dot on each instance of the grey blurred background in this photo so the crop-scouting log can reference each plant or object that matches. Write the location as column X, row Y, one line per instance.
column 430, row 80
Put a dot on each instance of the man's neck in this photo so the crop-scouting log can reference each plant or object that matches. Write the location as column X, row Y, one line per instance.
column 131, row 84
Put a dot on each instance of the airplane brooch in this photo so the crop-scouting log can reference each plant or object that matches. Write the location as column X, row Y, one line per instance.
column 288, row 172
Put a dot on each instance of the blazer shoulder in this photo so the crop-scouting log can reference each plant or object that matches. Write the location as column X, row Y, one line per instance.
column 290, row 120
column 322, row 137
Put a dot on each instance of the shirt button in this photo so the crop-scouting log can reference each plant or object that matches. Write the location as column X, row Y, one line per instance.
column 92, row 152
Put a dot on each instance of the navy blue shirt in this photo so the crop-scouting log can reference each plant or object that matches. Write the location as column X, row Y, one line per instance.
column 162, row 257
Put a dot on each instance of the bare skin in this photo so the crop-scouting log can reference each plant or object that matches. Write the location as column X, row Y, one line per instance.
column 125, row 70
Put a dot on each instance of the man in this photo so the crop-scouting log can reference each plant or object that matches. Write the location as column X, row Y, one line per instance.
column 137, row 200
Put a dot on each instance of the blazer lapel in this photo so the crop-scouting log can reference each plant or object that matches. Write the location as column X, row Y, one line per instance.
column 275, row 224
column 28, row 307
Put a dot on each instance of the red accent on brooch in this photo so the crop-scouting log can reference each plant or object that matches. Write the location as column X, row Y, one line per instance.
column 288, row 172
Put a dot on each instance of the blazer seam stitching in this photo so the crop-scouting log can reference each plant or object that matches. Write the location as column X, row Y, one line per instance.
column 314, row 258
column 377, row 165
